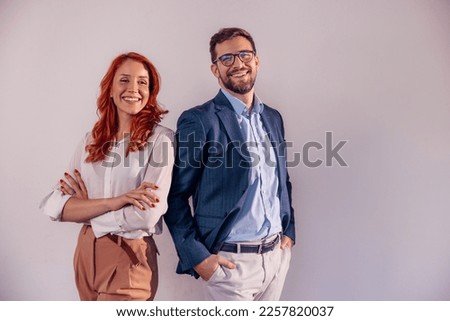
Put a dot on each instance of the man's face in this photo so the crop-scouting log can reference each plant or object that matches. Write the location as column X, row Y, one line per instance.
column 240, row 77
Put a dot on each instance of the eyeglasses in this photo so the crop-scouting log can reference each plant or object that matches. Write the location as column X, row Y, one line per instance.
column 228, row 59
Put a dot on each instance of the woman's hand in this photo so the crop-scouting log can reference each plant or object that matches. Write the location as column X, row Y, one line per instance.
column 74, row 185
column 137, row 197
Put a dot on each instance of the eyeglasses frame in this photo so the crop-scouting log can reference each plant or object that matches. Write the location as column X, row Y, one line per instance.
column 234, row 57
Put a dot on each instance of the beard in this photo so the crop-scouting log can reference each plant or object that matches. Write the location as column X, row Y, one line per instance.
column 239, row 86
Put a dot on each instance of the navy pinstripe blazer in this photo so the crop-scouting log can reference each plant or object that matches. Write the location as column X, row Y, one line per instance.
column 212, row 165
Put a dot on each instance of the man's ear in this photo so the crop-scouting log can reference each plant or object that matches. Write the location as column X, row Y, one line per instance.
column 215, row 70
column 257, row 61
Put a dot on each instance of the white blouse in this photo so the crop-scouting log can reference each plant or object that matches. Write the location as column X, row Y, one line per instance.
column 116, row 175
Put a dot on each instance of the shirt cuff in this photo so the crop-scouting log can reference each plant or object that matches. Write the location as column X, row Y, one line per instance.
column 53, row 204
column 105, row 224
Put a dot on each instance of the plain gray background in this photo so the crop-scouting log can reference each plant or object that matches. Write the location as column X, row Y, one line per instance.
column 374, row 73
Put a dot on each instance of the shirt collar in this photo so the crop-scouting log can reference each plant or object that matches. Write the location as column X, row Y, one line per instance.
column 240, row 108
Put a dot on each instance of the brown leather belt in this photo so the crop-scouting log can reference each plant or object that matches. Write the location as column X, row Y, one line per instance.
column 118, row 240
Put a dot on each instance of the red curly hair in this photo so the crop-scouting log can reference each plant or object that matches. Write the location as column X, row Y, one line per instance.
column 107, row 126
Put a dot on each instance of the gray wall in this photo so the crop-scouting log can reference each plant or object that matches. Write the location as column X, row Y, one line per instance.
column 374, row 73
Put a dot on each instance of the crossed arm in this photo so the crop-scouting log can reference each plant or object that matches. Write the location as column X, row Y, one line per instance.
column 79, row 208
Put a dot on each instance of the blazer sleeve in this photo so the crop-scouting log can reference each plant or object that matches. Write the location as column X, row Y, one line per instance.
column 289, row 228
column 190, row 138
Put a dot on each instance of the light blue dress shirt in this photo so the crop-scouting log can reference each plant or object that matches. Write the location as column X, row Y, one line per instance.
column 260, row 213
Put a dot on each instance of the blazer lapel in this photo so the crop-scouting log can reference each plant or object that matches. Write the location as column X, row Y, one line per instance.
column 227, row 116
column 270, row 124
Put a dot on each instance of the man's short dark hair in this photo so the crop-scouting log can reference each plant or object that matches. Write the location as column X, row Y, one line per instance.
column 227, row 34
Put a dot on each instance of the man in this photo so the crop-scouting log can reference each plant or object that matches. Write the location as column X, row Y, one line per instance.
column 231, row 159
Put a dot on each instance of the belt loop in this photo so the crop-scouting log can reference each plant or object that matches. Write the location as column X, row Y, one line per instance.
column 124, row 245
column 260, row 247
column 238, row 248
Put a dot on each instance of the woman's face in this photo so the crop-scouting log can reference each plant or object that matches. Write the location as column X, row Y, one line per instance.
column 130, row 88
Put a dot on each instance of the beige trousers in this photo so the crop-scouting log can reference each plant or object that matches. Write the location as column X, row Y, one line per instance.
column 257, row 277
column 105, row 272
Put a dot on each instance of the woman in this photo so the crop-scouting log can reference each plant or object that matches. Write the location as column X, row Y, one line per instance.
column 115, row 169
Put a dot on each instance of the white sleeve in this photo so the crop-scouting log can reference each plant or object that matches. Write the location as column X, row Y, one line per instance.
column 159, row 172
column 53, row 203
